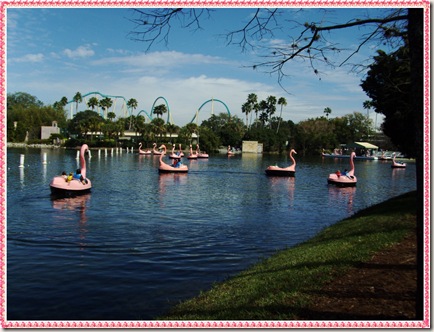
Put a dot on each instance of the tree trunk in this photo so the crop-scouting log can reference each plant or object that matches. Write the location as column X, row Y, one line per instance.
column 416, row 42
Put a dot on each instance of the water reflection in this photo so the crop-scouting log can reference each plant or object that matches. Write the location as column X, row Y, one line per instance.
column 398, row 172
column 339, row 197
column 168, row 185
column 251, row 160
column 75, row 204
column 283, row 187
column 22, row 177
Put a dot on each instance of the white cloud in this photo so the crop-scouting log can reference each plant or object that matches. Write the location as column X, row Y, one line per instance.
column 161, row 59
column 30, row 58
column 80, row 52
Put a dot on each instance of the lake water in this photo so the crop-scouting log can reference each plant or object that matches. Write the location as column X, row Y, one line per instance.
column 140, row 242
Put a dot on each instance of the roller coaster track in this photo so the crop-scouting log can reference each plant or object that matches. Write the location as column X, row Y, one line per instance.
column 195, row 118
column 124, row 105
column 148, row 115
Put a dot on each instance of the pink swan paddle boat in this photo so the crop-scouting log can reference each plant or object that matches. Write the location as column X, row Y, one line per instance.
column 192, row 155
column 229, row 153
column 200, row 154
column 60, row 185
column 283, row 171
column 147, row 152
column 165, row 168
column 344, row 180
column 396, row 164
column 155, row 152
column 176, row 155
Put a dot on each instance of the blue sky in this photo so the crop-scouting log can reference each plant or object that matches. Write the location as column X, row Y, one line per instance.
column 56, row 52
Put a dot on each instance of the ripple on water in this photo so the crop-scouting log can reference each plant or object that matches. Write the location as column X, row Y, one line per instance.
column 141, row 241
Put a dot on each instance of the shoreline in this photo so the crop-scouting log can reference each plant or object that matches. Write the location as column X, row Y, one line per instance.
column 25, row 145
column 290, row 284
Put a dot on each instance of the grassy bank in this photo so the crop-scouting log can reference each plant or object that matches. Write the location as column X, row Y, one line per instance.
column 278, row 288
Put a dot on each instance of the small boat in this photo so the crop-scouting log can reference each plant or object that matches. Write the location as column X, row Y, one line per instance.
column 230, row 152
column 165, row 168
column 176, row 155
column 344, row 180
column 396, row 164
column 346, row 156
column 283, row 171
column 64, row 186
column 201, row 154
column 142, row 152
column 192, row 155
column 384, row 156
column 155, row 152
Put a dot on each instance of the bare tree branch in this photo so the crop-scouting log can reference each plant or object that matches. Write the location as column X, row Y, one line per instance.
column 257, row 28
column 311, row 44
column 154, row 25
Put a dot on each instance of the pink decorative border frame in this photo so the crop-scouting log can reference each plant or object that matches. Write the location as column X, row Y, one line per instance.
column 425, row 323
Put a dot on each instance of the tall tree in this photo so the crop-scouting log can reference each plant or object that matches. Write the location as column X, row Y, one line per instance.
column 158, row 127
column 77, row 99
column 132, row 104
column 281, row 102
column 246, row 108
column 105, row 104
column 61, row 103
column 250, row 105
column 93, row 102
column 388, row 84
column 160, row 110
column 85, row 122
column 172, row 129
column 327, row 111
column 271, row 106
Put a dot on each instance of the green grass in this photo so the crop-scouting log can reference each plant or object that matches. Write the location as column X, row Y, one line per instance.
column 279, row 287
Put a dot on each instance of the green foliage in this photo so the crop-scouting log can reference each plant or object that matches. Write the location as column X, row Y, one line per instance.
column 29, row 114
column 208, row 140
column 313, row 135
column 229, row 129
column 307, row 137
column 84, row 122
column 388, row 84
column 160, row 110
column 93, row 102
column 158, row 127
column 105, row 103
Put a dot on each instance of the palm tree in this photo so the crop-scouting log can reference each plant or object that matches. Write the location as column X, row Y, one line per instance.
column 61, row 103
column 64, row 101
column 263, row 117
column 132, row 103
column 111, row 116
column 281, row 102
column 246, row 108
column 92, row 103
column 271, row 107
column 105, row 104
column 78, row 99
column 160, row 110
column 327, row 111
column 172, row 129
column 191, row 128
column 252, row 100
column 158, row 126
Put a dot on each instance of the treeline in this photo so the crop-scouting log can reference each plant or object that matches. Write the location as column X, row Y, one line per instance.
column 26, row 114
